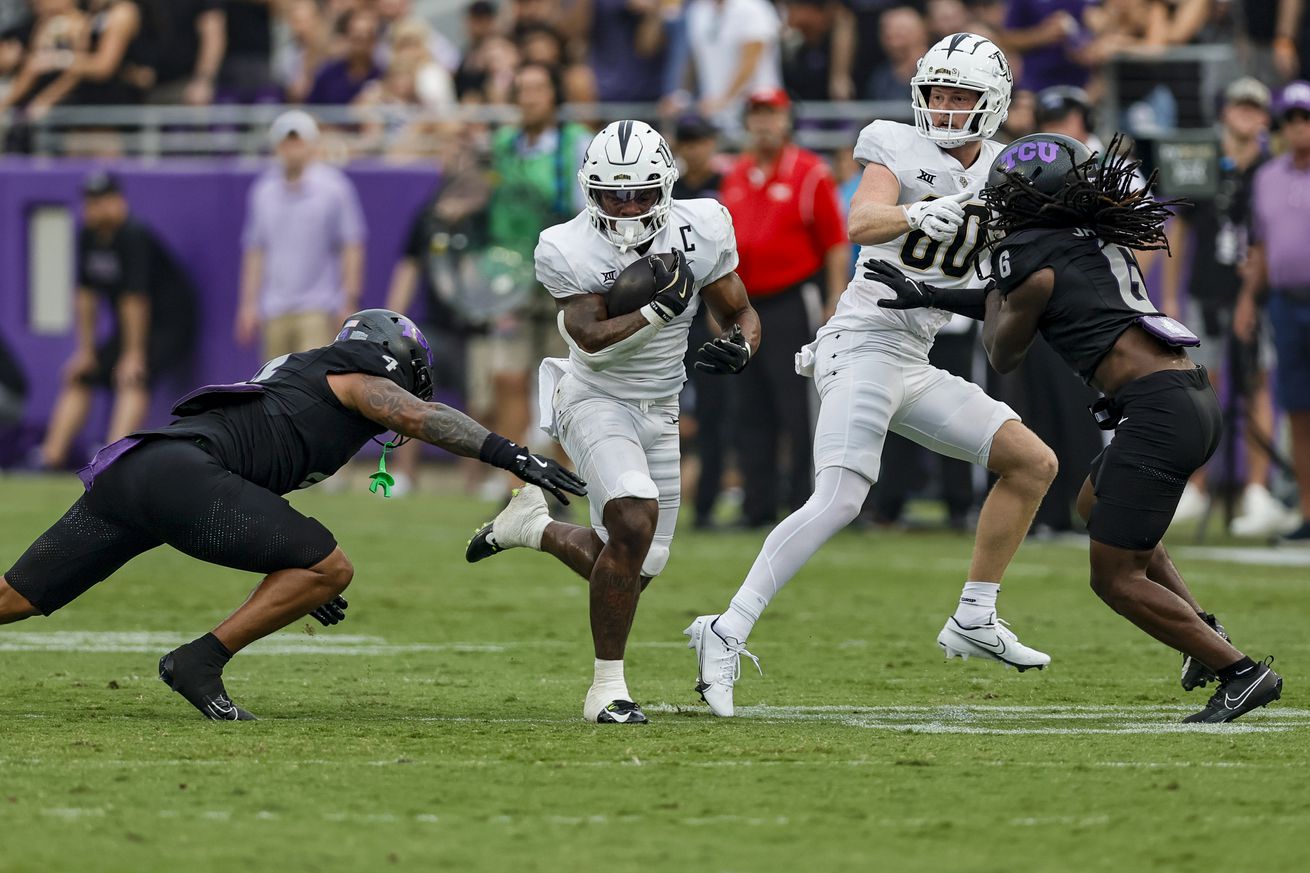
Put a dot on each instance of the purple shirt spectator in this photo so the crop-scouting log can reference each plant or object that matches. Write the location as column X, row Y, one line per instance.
column 1280, row 207
column 1050, row 65
column 334, row 85
column 621, row 74
column 301, row 229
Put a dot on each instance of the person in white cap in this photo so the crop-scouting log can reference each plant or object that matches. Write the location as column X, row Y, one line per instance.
column 303, row 266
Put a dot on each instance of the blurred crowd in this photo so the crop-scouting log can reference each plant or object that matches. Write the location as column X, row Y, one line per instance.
column 723, row 77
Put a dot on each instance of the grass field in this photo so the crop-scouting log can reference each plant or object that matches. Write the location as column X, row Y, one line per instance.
column 439, row 727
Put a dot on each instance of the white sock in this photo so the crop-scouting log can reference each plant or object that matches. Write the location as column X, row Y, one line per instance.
column 977, row 603
column 609, row 681
column 534, row 531
column 838, row 496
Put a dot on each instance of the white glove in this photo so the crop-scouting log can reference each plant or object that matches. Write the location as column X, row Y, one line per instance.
column 940, row 218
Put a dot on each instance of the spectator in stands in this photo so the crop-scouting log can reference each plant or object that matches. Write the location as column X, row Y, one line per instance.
column 1067, row 110
column 1278, row 264
column 247, row 72
column 151, row 301
column 411, row 43
column 479, row 26
column 526, row 14
column 904, row 39
column 734, row 49
column 107, row 66
column 303, row 267
column 791, row 238
column 542, row 44
column 1049, row 34
column 626, row 47
column 535, row 164
column 817, row 54
column 59, row 31
column 707, row 404
column 1266, row 37
column 339, row 82
column 299, row 59
column 1211, row 236
column 395, row 12
column 190, row 50
column 1022, row 119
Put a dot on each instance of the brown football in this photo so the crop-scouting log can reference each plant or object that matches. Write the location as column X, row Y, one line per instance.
column 635, row 286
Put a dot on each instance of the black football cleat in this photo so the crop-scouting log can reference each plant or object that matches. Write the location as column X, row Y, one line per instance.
column 1196, row 674
column 205, row 692
column 481, row 546
column 621, row 712
column 1259, row 687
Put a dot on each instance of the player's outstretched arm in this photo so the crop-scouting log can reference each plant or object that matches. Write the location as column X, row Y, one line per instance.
column 731, row 351
column 1012, row 319
column 388, row 405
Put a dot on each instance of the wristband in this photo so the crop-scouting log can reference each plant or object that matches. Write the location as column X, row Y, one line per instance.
column 498, row 451
column 656, row 320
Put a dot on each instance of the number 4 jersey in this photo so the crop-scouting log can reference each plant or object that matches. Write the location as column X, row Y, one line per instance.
column 925, row 172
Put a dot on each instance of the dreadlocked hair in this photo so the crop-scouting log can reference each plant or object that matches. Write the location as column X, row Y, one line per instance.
column 1102, row 194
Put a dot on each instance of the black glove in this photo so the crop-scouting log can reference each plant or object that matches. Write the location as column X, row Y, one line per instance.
column 533, row 469
column 724, row 356
column 332, row 612
column 546, row 473
column 913, row 294
column 673, row 288
column 909, row 293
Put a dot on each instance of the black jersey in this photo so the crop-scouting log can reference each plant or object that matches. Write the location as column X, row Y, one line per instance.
column 1099, row 292
column 285, row 429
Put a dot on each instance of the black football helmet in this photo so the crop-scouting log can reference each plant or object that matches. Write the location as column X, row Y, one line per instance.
column 1044, row 159
column 401, row 338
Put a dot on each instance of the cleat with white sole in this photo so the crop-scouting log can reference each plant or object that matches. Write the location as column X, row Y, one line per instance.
column 718, row 665
column 519, row 525
column 620, row 712
column 992, row 640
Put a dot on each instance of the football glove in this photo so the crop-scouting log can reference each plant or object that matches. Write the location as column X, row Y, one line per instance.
column 332, row 612
column 910, row 294
column 548, row 475
column 940, row 218
column 724, row 356
column 673, row 288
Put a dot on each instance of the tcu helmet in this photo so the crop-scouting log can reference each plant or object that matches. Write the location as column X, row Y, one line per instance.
column 628, row 161
column 963, row 60
column 403, row 341
column 1044, row 159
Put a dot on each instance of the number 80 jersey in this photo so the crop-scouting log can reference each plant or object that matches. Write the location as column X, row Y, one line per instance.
column 925, row 172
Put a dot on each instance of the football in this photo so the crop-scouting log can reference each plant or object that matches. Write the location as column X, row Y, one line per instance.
column 635, row 286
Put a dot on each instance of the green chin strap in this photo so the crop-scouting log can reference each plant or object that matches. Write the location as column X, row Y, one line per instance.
column 382, row 479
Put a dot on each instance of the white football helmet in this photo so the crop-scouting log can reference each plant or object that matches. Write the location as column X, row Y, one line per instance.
column 627, row 161
column 963, row 60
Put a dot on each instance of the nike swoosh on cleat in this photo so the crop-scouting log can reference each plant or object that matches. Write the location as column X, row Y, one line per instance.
column 1235, row 702
column 998, row 648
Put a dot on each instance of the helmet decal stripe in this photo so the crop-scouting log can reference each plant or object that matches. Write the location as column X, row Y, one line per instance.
column 625, row 132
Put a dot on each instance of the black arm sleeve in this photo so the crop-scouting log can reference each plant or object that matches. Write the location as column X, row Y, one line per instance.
column 969, row 302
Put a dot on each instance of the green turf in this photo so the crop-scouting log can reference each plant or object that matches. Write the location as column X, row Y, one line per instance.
column 432, row 755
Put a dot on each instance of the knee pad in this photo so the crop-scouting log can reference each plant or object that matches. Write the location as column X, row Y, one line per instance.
column 636, row 484
column 655, row 560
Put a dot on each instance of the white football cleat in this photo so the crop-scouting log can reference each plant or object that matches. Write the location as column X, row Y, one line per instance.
column 718, row 665
column 1263, row 515
column 519, row 525
column 993, row 640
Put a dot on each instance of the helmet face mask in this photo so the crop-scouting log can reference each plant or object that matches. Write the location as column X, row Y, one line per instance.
column 403, row 341
column 628, row 177
column 970, row 62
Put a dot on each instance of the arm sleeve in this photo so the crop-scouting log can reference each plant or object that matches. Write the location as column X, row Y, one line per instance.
column 553, row 271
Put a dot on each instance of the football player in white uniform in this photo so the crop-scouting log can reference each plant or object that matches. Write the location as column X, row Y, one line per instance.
column 917, row 207
column 613, row 403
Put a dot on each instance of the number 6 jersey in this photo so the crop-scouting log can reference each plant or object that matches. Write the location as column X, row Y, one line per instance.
column 925, row 173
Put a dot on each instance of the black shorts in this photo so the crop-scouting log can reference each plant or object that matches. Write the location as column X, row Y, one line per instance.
column 166, row 491
column 1169, row 427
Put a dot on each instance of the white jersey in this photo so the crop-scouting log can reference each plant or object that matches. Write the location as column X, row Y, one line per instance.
column 572, row 258
column 925, row 171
